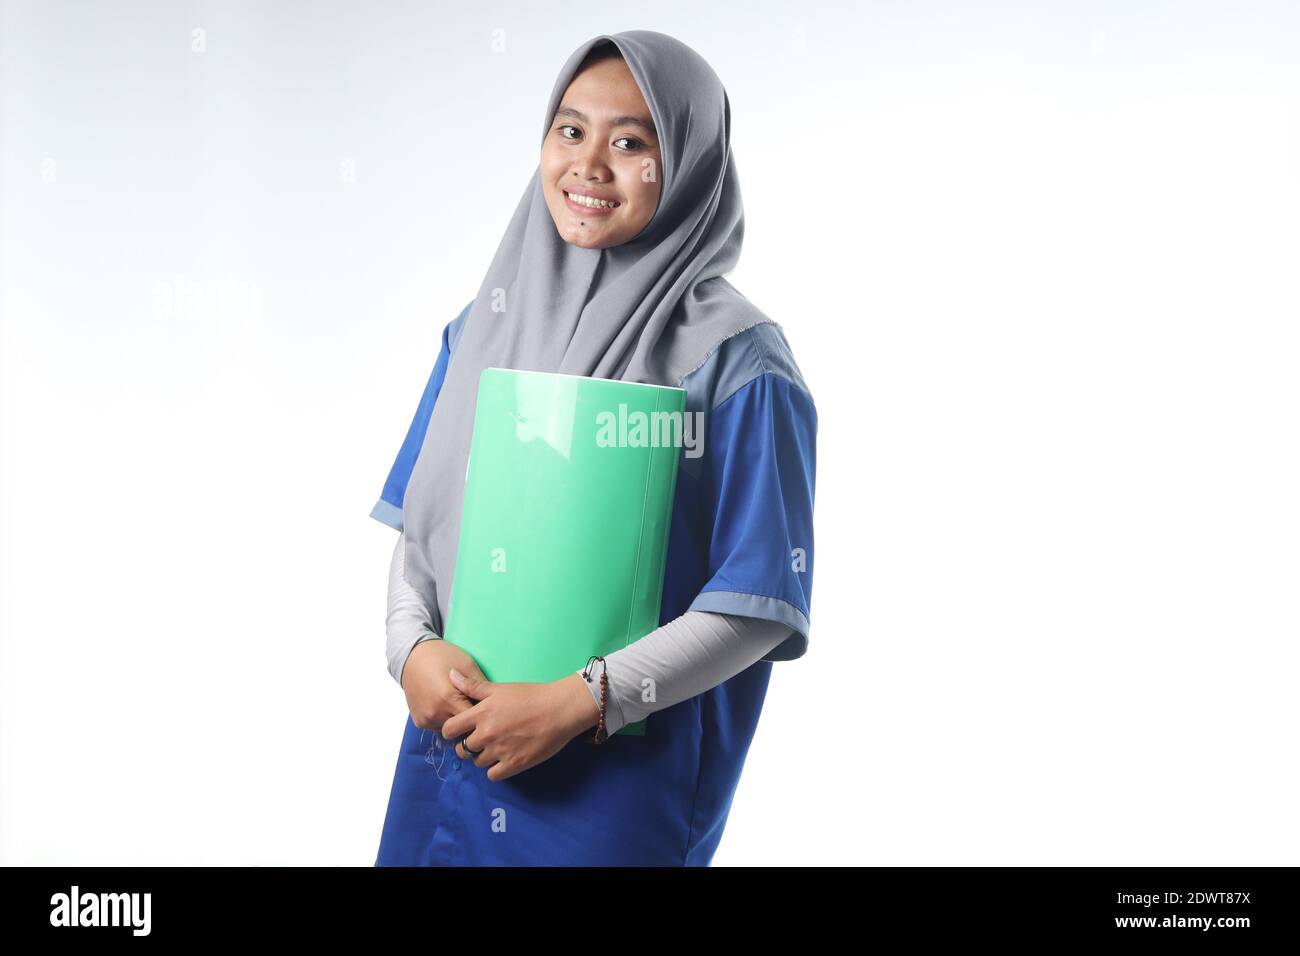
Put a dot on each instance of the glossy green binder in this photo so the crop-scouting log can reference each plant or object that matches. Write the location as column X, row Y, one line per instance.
column 564, row 531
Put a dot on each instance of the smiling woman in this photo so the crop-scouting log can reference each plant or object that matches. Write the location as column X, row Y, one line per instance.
column 612, row 266
column 600, row 161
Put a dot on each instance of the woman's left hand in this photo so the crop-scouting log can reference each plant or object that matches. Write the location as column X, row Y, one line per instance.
column 519, row 724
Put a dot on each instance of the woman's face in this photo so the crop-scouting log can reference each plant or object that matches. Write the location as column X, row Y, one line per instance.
column 602, row 143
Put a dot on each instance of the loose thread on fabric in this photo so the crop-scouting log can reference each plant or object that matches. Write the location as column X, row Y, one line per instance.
column 600, row 735
column 437, row 747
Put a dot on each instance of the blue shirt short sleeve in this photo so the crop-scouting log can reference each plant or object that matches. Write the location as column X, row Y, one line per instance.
column 388, row 508
column 757, row 483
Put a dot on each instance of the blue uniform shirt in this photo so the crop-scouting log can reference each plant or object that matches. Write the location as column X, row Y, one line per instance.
column 741, row 542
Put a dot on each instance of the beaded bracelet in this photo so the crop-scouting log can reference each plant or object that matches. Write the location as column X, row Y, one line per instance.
column 600, row 736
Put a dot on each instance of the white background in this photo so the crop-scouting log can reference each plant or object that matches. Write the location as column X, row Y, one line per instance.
column 1037, row 262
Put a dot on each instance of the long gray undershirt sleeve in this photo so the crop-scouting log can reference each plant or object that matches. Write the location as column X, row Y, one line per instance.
column 686, row 656
column 409, row 620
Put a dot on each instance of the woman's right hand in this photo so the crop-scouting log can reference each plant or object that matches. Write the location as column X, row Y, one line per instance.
column 431, row 697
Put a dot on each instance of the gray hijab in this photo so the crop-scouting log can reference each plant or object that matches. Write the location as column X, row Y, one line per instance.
column 649, row 310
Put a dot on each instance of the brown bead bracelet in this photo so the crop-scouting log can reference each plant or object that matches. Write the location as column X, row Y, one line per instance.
column 600, row 735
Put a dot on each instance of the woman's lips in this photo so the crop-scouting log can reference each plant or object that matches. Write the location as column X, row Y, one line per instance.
column 588, row 210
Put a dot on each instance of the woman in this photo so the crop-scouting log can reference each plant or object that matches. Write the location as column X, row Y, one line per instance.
column 612, row 266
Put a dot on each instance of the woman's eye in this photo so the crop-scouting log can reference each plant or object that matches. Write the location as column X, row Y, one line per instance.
column 630, row 140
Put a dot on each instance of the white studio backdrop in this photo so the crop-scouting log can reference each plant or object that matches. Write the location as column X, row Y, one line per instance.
column 1037, row 262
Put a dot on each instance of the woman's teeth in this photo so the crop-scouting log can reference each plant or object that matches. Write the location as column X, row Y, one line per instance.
column 588, row 201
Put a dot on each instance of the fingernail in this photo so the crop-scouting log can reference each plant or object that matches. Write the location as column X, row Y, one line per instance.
column 457, row 674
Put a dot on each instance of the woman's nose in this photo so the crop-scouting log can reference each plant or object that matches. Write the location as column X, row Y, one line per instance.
column 590, row 162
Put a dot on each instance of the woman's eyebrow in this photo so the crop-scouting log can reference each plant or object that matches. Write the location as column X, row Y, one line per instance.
column 618, row 120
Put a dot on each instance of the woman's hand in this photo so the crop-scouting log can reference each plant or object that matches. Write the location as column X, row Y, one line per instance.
column 519, row 724
column 431, row 697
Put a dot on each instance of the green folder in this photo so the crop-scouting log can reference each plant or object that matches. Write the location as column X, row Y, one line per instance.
column 564, row 530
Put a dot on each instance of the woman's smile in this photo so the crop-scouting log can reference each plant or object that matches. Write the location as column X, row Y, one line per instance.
column 589, row 204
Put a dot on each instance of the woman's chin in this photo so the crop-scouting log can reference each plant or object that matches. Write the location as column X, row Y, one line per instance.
column 587, row 239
